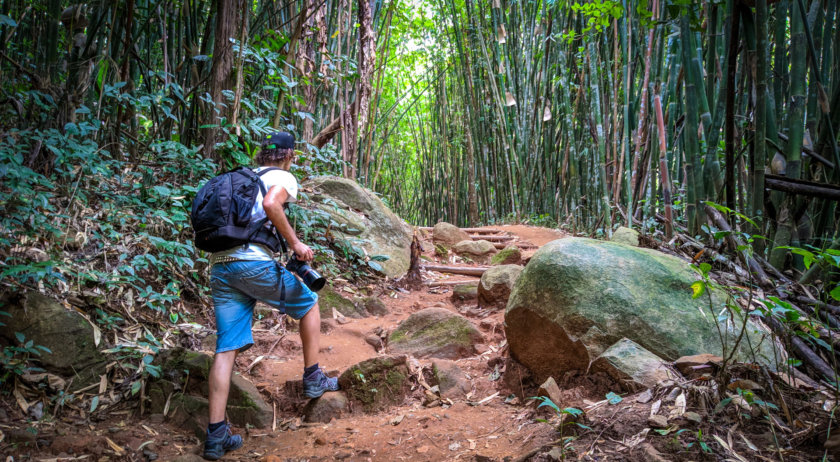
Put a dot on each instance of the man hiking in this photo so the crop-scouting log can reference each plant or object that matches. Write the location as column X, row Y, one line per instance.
column 245, row 274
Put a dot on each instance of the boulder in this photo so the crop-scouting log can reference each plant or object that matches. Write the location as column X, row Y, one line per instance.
column 329, row 298
column 363, row 218
column 377, row 383
column 450, row 379
column 480, row 251
column 624, row 235
column 435, row 332
column 510, row 255
column 496, row 284
column 631, row 366
column 464, row 293
column 705, row 362
column 330, row 405
column 448, row 234
column 184, row 384
column 578, row 296
column 69, row 337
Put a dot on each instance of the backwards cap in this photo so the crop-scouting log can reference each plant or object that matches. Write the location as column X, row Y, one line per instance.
column 278, row 140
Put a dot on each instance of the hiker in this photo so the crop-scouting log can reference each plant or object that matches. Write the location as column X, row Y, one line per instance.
column 242, row 275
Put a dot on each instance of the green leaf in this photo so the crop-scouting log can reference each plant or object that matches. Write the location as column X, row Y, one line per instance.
column 94, row 403
column 7, row 21
column 697, row 288
column 173, row 317
column 375, row 266
column 613, row 398
column 135, row 387
column 835, row 293
column 21, row 338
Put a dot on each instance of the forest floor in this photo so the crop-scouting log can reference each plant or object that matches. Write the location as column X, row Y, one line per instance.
column 491, row 424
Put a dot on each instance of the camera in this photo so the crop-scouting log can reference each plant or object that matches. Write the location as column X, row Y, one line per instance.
column 310, row 277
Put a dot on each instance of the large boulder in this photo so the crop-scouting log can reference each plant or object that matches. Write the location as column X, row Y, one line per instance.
column 377, row 383
column 184, row 384
column 577, row 297
column 480, row 251
column 362, row 219
column 329, row 298
column 448, row 234
column 496, row 284
column 69, row 337
column 435, row 332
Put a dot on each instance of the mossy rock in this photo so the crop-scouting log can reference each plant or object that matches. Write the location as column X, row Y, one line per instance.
column 464, row 293
column 510, row 255
column 377, row 383
column 435, row 332
column 373, row 306
column 441, row 251
column 480, row 251
column 578, row 296
column 184, row 375
column 627, row 236
column 66, row 333
column 329, row 298
column 356, row 208
column 450, row 379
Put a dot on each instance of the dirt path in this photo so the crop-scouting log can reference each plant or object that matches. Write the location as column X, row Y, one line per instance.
column 499, row 427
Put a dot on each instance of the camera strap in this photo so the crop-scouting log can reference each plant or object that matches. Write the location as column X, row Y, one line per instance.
column 281, row 268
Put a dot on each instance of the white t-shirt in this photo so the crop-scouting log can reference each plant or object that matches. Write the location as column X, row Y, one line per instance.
column 280, row 178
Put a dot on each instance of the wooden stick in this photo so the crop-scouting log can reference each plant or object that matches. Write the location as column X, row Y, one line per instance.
column 802, row 350
column 751, row 263
column 493, row 238
column 465, row 270
column 449, row 283
column 521, row 245
column 818, row 304
column 468, row 230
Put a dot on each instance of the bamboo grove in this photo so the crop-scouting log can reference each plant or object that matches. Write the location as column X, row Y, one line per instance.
column 585, row 114
column 599, row 113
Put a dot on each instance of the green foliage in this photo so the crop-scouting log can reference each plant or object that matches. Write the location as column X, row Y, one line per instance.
column 568, row 417
column 14, row 359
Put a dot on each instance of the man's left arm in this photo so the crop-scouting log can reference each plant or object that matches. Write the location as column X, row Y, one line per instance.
column 273, row 205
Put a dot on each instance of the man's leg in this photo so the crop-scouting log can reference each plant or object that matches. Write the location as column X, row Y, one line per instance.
column 220, row 374
column 315, row 382
column 310, row 335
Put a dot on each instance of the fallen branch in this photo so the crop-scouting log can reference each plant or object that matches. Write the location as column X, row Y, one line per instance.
column 468, row 230
column 802, row 350
column 465, row 270
column 493, row 238
column 735, row 242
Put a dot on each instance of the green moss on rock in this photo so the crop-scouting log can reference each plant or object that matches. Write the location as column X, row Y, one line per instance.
column 376, row 383
column 435, row 332
column 510, row 255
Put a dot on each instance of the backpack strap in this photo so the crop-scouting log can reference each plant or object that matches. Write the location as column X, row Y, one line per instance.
column 258, row 226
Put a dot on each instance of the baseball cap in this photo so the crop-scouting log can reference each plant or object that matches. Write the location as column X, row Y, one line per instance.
column 278, row 140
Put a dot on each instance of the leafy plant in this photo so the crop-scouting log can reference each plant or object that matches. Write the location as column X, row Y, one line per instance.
column 14, row 359
column 568, row 417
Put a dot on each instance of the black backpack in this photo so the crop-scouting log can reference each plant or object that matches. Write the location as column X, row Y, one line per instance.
column 221, row 213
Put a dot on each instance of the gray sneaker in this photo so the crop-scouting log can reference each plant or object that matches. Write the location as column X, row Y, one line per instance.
column 318, row 383
column 221, row 441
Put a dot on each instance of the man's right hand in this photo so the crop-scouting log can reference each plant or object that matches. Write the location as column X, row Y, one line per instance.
column 302, row 251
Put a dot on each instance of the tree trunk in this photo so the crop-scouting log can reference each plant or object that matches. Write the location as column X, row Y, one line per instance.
column 221, row 71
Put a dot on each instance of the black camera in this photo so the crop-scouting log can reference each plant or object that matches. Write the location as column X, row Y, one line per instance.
column 310, row 277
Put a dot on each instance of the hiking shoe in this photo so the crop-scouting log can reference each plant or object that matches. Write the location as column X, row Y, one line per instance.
column 221, row 441
column 318, row 383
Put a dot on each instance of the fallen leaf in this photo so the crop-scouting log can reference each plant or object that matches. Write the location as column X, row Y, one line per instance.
column 116, row 447
column 396, row 420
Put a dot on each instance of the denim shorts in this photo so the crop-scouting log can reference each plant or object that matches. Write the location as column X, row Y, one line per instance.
column 238, row 285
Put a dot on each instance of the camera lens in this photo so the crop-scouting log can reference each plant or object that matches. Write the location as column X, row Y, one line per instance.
column 310, row 277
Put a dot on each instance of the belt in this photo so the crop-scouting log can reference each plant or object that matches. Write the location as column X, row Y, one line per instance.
column 222, row 259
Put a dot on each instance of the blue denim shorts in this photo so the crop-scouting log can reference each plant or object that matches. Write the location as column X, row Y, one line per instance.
column 238, row 285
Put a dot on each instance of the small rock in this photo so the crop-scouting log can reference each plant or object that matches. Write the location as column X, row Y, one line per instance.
column 320, row 441
column 658, row 421
column 150, row 455
column 375, row 341
column 510, row 255
column 330, row 405
column 341, row 455
column 448, row 234
column 481, row 348
column 486, row 324
column 464, row 293
column 328, row 325
column 374, row 306
column 450, row 379
column 688, row 364
column 156, row 418
column 645, row 397
column 693, row 417
column 36, row 411
column 423, row 449
column 550, row 390
column 208, row 343
column 626, row 236
column 650, row 454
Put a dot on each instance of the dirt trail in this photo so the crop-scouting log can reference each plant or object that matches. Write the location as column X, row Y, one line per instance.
column 493, row 429
column 499, row 427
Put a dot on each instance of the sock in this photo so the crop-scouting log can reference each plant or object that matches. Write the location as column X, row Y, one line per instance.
column 215, row 426
column 307, row 371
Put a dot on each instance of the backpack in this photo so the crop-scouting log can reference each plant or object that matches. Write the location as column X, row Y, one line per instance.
column 221, row 213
